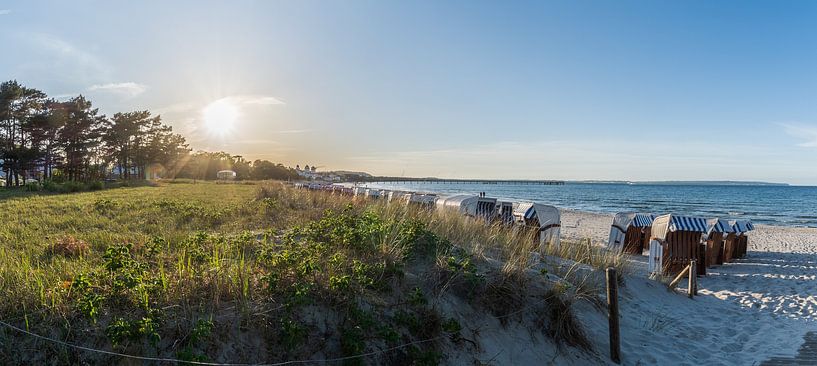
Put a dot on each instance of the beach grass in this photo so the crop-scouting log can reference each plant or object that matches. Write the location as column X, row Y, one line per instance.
column 182, row 270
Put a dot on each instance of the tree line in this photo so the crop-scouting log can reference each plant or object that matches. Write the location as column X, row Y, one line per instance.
column 205, row 165
column 42, row 138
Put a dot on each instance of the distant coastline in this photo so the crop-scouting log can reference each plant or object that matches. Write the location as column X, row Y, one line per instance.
column 682, row 182
column 374, row 178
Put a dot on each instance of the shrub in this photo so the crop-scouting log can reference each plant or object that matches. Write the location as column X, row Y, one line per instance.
column 33, row 187
column 562, row 324
column 121, row 329
column 72, row 186
column 51, row 186
column 504, row 294
column 96, row 186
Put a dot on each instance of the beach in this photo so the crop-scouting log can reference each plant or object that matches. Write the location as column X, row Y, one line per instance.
column 757, row 310
column 754, row 310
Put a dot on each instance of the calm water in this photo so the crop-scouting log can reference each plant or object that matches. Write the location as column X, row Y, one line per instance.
column 774, row 205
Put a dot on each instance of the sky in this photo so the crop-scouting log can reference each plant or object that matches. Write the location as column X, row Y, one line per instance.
column 624, row 90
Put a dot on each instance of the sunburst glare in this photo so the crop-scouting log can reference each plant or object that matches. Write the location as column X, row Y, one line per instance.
column 220, row 117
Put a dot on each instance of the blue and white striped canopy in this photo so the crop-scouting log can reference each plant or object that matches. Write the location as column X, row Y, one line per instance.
column 719, row 226
column 530, row 213
column 643, row 220
column 742, row 226
column 686, row 223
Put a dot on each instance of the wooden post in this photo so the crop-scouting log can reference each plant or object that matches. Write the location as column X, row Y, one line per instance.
column 695, row 287
column 695, row 284
column 612, row 315
column 678, row 278
column 692, row 277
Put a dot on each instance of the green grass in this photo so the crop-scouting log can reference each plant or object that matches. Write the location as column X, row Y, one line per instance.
column 192, row 271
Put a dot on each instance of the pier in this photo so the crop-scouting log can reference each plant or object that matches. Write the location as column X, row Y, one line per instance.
column 463, row 181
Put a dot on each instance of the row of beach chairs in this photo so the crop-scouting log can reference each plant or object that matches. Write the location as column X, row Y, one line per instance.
column 674, row 241
column 545, row 218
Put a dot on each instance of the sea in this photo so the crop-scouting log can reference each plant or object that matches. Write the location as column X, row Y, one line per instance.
column 781, row 205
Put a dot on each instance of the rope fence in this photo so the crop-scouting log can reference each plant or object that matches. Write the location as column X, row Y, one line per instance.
column 173, row 360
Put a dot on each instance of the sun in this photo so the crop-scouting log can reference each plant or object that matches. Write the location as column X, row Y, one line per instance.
column 220, row 117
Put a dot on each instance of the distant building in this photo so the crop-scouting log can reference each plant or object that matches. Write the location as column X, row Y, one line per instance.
column 226, row 175
column 311, row 173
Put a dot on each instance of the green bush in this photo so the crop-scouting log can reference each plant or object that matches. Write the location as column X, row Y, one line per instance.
column 33, row 187
column 96, row 186
column 72, row 186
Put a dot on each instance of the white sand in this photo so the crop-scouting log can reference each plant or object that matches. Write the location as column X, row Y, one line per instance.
column 748, row 311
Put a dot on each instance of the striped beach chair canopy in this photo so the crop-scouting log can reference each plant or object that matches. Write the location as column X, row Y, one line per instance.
column 622, row 220
column 742, row 226
column 662, row 225
column 546, row 215
column 530, row 212
column 618, row 229
column 643, row 220
column 718, row 226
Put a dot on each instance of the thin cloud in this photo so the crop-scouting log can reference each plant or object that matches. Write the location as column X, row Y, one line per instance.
column 251, row 99
column 253, row 142
column 64, row 58
column 177, row 108
column 293, row 131
column 248, row 100
column 130, row 88
column 565, row 159
column 5, row 11
column 801, row 131
column 262, row 100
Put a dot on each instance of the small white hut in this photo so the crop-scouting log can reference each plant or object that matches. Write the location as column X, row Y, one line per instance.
column 225, row 175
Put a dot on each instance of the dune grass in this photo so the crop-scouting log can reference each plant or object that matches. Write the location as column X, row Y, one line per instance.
column 180, row 270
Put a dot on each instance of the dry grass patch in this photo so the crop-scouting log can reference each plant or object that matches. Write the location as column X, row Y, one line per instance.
column 505, row 294
column 559, row 322
column 69, row 246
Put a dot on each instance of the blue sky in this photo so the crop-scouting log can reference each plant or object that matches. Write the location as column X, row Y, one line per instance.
column 634, row 90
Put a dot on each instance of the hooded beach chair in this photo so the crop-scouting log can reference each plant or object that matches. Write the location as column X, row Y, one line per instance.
column 504, row 212
column 716, row 229
column 545, row 219
column 739, row 243
column 469, row 205
column 674, row 242
column 630, row 232
column 422, row 200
